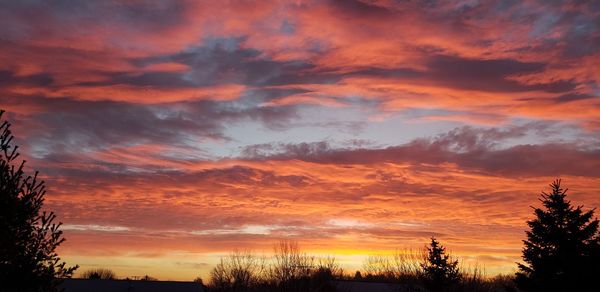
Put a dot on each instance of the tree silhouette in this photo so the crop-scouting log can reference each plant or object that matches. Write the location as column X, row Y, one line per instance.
column 99, row 274
column 148, row 278
column 239, row 271
column 562, row 250
column 439, row 271
column 28, row 236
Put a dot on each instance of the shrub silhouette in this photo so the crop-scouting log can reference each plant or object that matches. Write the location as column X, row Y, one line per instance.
column 402, row 267
column 439, row 271
column 99, row 274
column 148, row 278
column 290, row 264
column 28, row 235
column 239, row 271
column 562, row 250
column 288, row 270
column 199, row 281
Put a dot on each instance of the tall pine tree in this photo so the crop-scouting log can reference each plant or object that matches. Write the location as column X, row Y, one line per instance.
column 28, row 235
column 439, row 271
column 562, row 250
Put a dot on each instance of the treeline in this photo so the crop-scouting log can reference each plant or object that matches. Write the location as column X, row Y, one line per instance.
column 561, row 253
column 108, row 274
column 291, row 269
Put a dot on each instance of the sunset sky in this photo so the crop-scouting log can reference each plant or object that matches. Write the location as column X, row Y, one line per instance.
column 172, row 132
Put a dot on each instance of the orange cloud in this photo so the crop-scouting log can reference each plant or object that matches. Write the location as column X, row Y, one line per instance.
column 172, row 132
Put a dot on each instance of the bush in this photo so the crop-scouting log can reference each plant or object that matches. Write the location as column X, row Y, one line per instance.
column 99, row 274
column 402, row 267
column 239, row 271
column 289, row 270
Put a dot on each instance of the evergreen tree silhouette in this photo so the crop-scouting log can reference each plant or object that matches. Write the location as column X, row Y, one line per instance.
column 562, row 250
column 28, row 236
column 439, row 271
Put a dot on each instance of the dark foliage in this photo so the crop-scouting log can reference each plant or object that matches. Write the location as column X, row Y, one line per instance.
column 99, row 274
column 439, row 271
column 562, row 250
column 148, row 278
column 290, row 270
column 28, row 235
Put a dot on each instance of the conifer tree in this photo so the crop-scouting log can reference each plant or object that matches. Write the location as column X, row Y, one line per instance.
column 28, row 235
column 439, row 271
column 562, row 249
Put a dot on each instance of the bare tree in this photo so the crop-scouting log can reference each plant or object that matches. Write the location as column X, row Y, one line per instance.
column 99, row 274
column 330, row 265
column 239, row 271
column 148, row 278
column 378, row 266
column 289, row 270
column 327, row 269
column 289, row 263
column 403, row 265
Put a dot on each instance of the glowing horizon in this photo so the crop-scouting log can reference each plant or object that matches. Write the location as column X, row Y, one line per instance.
column 172, row 132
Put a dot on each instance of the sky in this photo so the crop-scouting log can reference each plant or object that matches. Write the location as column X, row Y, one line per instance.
column 170, row 133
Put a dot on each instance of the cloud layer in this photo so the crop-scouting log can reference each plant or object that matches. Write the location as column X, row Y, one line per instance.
column 173, row 131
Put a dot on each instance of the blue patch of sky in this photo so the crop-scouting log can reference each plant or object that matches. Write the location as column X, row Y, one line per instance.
column 340, row 126
column 336, row 126
column 544, row 24
column 287, row 27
